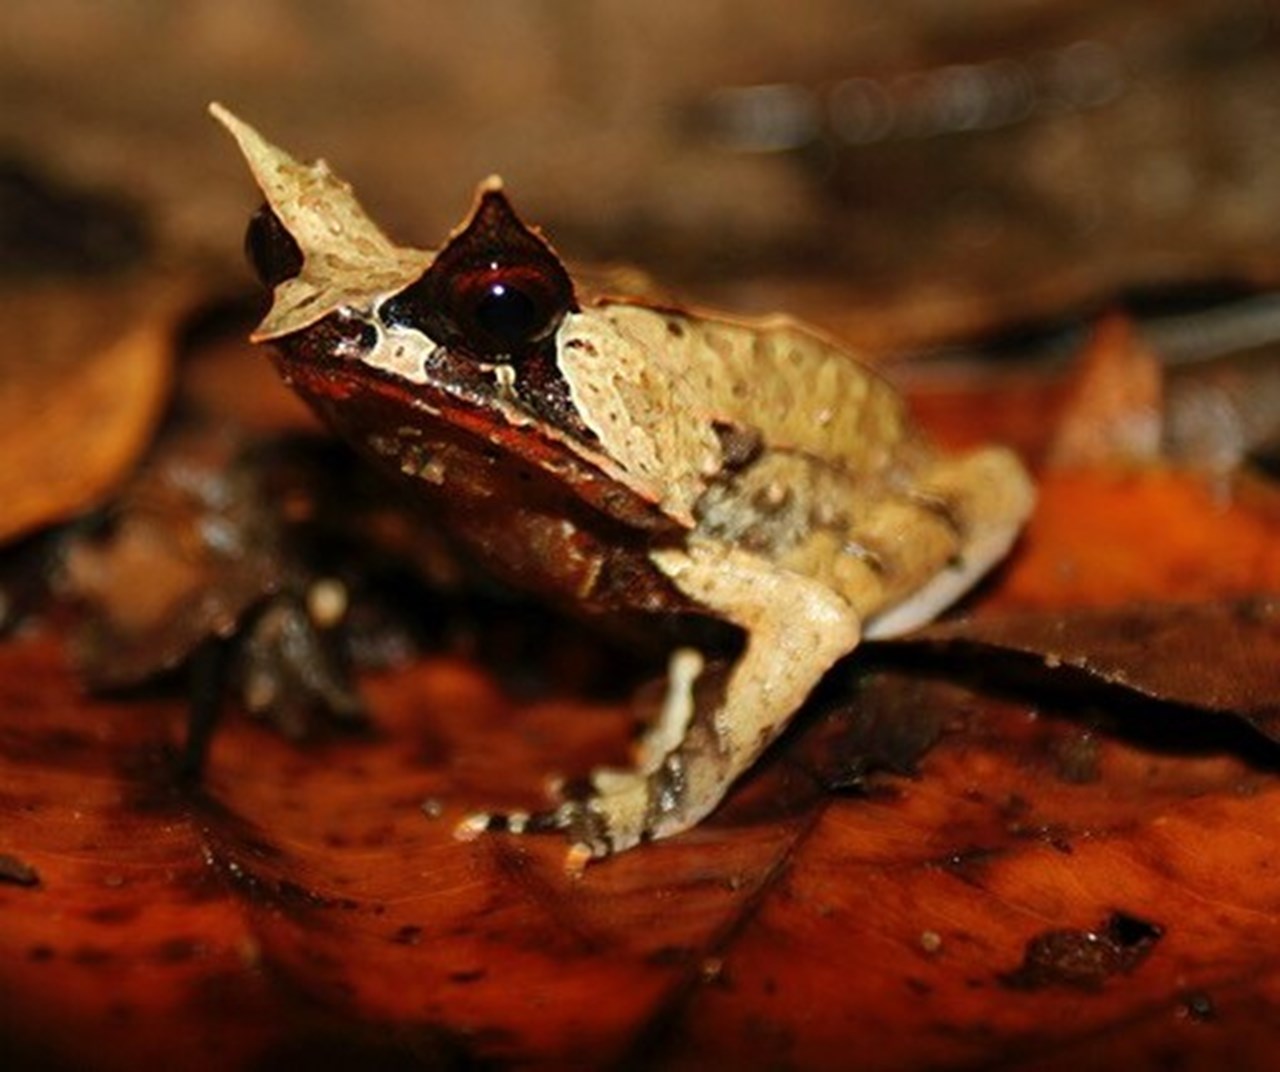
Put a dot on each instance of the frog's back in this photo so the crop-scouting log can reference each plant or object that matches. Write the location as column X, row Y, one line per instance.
column 788, row 386
column 775, row 440
column 800, row 392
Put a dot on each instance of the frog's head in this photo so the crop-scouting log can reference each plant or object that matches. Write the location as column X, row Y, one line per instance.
column 397, row 347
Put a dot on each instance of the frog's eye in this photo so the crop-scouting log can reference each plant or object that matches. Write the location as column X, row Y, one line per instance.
column 271, row 249
column 505, row 308
column 496, row 289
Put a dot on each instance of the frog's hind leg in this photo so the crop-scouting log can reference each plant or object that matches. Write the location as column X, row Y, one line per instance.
column 795, row 629
column 986, row 497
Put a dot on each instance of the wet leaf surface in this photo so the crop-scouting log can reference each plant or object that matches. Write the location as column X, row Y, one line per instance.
column 955, row 898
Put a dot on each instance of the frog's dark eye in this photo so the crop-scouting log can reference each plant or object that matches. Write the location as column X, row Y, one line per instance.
column 495, row 290
column 504, row 309
column 271, row 249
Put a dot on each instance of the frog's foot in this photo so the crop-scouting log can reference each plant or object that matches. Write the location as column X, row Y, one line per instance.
column 704, row 739
column 585, row 822
column 621, row 809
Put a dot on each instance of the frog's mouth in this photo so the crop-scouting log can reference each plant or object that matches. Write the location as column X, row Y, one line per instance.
column 452, row 433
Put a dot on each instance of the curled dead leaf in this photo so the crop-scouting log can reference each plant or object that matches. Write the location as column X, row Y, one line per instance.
column 1220, row 657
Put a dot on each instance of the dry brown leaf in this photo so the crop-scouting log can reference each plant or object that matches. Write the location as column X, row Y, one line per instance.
column 87, row 371
column 1104, row 537
column 1114, row 404
column 193, row 547
column 1219, row 657
column 225, row 378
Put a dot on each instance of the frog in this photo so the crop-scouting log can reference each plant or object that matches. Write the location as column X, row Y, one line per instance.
column 632, row 458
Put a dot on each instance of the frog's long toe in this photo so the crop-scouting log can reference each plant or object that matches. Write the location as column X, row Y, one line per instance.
column 616, row 816
column 587, row 838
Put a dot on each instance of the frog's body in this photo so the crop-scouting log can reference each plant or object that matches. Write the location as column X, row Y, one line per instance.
column 627, row 457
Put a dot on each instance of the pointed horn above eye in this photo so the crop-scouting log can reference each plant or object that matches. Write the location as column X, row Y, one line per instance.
column 347, row 261
column 316, row 206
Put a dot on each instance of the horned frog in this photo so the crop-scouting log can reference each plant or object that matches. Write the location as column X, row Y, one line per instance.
column 626, row 458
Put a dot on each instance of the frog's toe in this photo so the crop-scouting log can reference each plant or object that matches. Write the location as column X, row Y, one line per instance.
column 613, row 817
column 508, row 822
column 578, row 819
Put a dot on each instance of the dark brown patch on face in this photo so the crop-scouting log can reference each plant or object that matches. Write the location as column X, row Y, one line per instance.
column 536, row 513
column 495, row 295
column 455, row 405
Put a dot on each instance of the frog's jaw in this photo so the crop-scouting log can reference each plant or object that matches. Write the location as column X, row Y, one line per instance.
column 531, row 511
column 446, row 438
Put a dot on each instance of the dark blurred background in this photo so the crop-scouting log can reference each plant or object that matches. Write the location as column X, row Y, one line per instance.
column 898, row 172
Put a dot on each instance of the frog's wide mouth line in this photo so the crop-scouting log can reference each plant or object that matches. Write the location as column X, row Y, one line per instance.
column 368, row 402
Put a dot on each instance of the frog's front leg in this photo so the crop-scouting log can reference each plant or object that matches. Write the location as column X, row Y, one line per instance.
column 679, row 703
column 795, row 627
